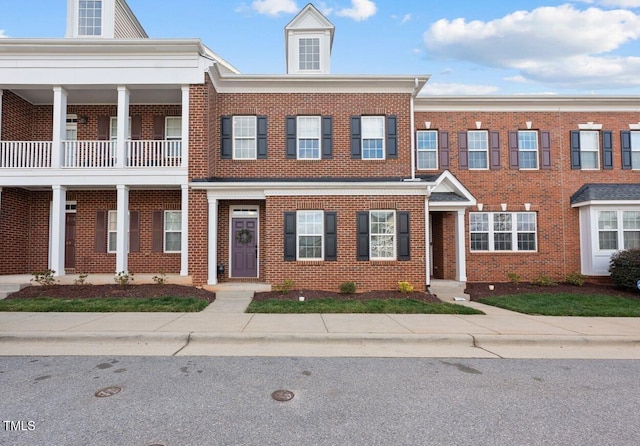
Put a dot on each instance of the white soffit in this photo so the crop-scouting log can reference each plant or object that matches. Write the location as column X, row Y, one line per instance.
column 528, row 103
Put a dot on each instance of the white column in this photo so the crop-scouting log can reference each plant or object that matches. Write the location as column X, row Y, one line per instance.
column 122, row 229
column 123, row 126
column 184, row 242
column 56, row 241
column 461, row 257
column 212, row 236
column 59, row 126
column 427, row 243
column 185, row 126
column 1, row 91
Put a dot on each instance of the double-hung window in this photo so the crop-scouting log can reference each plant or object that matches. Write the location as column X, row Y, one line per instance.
column 172, row 231
column 478, row 144
column 528, row 149
column 244, row 137
column 113, row 128
column 308, row 135
column 502, row 231
column 635, row 150
column 309, row 53
column 90, row 17
column 590, row 149
column 112, row 231
column 310, row 235
column 382, row 235
column 373, row 135
column 427, row 149
column 612, row 235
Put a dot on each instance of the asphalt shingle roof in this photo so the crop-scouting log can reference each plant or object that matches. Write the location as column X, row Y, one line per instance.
column 606, row 192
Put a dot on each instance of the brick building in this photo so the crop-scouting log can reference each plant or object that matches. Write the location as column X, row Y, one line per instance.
column 309, row 176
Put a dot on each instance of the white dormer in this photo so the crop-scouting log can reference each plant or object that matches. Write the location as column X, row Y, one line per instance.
column 309, row 37
column 106, row 19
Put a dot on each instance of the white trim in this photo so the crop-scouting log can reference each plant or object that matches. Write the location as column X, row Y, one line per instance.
column 527, row 103
column 1, row 93
column 231, row 217
column 123, row 127
column 413, row 137
column 383, row 138
column 59, row 125
column 184, row 254
column 212, row 241
column 418, row 150
column 395, row 236
column 165, row 231
column 186, row 104
column 57, row 239
column 461, row 257
column 318, row 136
column 428, row 255
column 298, row 235
column 244, row 138
column 122, row 241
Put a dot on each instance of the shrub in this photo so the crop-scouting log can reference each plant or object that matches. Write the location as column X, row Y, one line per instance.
column 160, row 279
column 574, row 279
column 123, row 278
column 44, row 277
column 405, row 287
column 81, row 280
column 513, row 277
column 544, row 280
column 284, row 287
column 348, row 288
column 625, row 268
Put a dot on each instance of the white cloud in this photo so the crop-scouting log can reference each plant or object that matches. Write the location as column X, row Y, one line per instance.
column 560, row 45
column 274, row 7
column 616, row 3
column 360, row 10
column 2, row 34
column 437, row 88
column 406, row 18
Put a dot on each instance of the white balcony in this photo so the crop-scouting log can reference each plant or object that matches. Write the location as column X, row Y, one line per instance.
column 89, row 154
column 25, row 154
column 154, row 153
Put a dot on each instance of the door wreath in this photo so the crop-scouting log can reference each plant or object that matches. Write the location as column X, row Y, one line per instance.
column 244, row 236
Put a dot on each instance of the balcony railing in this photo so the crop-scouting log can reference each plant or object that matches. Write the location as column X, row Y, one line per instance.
column 25, row 154
column 89, row 153
column 156, row 153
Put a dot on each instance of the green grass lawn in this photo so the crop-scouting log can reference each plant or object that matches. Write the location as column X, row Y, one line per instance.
column 398, row 306
column 105, row 305
column 567, row 304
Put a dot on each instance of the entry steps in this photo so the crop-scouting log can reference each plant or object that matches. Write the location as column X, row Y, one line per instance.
column 448, row 290
column 8, row 288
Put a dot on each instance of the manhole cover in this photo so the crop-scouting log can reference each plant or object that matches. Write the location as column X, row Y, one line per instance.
column 282, row 395
column 108, row 391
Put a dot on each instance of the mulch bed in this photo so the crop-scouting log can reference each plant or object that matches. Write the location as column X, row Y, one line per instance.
column 97, row 291
column 480, row 290
column 368, row 295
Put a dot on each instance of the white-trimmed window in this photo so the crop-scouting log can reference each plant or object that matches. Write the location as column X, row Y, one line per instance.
column 173, row 128
column 589, row 149
column 172, row 231
column 382, row 235
column 244, row 137
column 612, row 234
column 90, row 17
column 310, row 235
column 635, row 150
column 503, row 231
column 478, row 145
column 309, row 53
column 308, row 136
column 113, row 128
column 528, row 149
column 427, row 148
column 373, row 134
column 112, row 231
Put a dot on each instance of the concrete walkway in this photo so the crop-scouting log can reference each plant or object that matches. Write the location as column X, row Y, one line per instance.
column 223, row 329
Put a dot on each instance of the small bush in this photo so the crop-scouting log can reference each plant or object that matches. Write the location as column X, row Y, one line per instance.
column 348, row 288
column 405, row 287
column 513, row 277
column 576, row 279
column 544, row 280
column 284, row 287
column 123, row 278
column 44, row 277
column 160, row 279
column 81, row 280
column 625, row 268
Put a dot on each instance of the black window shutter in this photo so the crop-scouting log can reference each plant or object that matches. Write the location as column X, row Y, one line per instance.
column 226, row 137
column 545, row 149
column 514, row 162
column 291, row 137
column 158, row 127
column 607, row 150
column 404, row 237
column 289, row 236
column 363, row 236
column 356, row 138
column 327, row 137
column 494, row 150
column 100, row 236
column 136, row 127
column 575, row 149
column 104, row 127
column 331, row 236
column 261, row 122
column 157, row 238
column 444, row 150
column 463, row 151
column 392, row 137
column 625, row 137
column 134, row 231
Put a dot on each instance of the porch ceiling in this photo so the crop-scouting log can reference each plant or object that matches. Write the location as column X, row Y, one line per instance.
column 99, row 94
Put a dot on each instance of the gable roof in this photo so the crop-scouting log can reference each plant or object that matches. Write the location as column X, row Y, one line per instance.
column 592, row 192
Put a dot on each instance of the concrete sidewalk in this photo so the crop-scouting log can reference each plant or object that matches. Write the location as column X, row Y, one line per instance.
column 223, row 329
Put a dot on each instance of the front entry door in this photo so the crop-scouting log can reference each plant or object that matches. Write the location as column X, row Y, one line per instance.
column 70, row 241
column 244, row 247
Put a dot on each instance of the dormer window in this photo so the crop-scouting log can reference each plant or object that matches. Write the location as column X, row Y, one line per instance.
column 309, row 53
column 90, row 17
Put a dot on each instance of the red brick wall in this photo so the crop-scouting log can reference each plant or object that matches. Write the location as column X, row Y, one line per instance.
column 17, row 118
column 198, row 237
column 548, row 191
column 14, row 240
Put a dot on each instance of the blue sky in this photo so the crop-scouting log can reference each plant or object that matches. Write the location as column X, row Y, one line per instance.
column 467, row 46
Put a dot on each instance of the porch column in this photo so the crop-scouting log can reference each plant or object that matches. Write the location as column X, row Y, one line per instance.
column 184, row 241
column 185, row 126
column 122, row 229
column 56, row 239
column 59, row 126
column 1, row 91
column 212, row 235
column 123, row 127
column 461, row 257
column 427, row 243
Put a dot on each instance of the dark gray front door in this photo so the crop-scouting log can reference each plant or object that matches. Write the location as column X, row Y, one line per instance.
column 244, row 247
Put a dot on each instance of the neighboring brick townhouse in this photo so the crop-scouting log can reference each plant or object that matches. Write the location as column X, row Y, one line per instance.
column 123, row 153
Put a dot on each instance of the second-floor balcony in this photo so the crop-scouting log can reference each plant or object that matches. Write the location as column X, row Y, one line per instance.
column 91, row 154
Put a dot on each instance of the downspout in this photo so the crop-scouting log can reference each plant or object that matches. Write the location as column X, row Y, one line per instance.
column 413, row 135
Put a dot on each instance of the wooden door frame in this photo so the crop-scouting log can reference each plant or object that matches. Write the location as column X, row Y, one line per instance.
column 237, row 208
